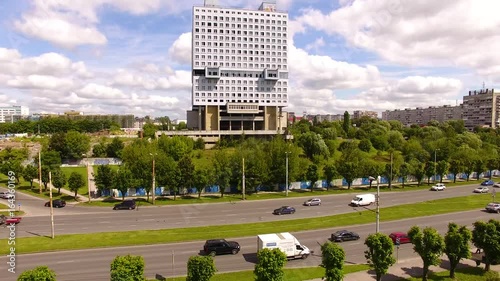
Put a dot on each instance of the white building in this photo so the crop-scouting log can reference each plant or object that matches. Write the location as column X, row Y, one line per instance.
column 13, row 113
column 240, row 68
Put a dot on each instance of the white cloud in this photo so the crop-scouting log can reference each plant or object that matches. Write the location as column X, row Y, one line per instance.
column 316, row 45
column 40, row 82
column 180, row 51
column 95, row 91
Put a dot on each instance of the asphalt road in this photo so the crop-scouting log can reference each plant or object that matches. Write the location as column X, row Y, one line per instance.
column 101, row 219
column 170, row 259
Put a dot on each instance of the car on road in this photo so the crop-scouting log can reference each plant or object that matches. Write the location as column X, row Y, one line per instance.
column 125, row 205
column 399, row 236
column 487, row 183
column 344, row 235
column 481, row 189
column 221, row 246
column 12, row 220
column 6, row 195
column 313, row 202
column 496, row 184
column 438, row 187
column 493, row 207
column 58, row 203
column 284, row 210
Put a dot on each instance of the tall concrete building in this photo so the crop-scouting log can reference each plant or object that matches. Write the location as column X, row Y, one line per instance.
column 239, row 69
column 482, row 108
column 13, row 113
column 422, row 116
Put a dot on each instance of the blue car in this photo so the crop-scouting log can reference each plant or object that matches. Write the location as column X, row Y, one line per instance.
column 487, row 182
column 284, row 210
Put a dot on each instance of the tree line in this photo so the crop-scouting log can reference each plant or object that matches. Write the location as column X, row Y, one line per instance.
column 427, row 243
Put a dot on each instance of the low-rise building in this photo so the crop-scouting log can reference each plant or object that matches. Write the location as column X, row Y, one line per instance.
column 13, row 113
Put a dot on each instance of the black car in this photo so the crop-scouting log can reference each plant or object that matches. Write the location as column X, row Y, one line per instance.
column 58, row 203
column 125, row 205
column 284, row 210
column 220, row 246
column 344, row 235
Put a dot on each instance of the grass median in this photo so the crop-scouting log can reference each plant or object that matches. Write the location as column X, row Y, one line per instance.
column 144, row 237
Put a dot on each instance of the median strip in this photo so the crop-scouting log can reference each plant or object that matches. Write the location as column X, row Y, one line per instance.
column 145, row 237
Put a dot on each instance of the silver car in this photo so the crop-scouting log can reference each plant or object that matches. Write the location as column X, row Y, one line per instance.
column 493, row 207
column 313, row 202
column 482, row 189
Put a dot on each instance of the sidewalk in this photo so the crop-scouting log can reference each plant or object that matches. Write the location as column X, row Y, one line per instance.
column 79, row 197
column 409, row 268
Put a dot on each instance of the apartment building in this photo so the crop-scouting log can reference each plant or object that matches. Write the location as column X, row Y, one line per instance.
column 239, row 69
column 482, row 108
column 13, row 113
column 361, row 113
column 422, row 116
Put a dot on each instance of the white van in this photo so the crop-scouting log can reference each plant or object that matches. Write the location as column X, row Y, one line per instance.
column 363, row 200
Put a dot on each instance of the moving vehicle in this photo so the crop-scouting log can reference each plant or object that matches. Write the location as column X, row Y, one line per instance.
column 496, row 184
column 487, row 183
column 284, row 210
column 286, row 242
column 493, row 207
column 399, row 238
column 58, row 203
column 125, row 205
column 313, row 202
column 438, row 187
column 363, row 200
column 344, row 235
column 221, row 246
column 481, row 189
column 12, row 220
column 6, row 195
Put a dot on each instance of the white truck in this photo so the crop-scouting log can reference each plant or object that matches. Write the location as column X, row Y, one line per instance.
column 363, row 200
column 286, row 242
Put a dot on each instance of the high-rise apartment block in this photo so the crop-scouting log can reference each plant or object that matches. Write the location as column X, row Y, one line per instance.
column 422, row 116
column 13, row 113
column 239, row 68
column 482, row 108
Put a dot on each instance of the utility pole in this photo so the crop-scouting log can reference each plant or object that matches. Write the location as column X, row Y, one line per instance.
column 154, row 183
column 286, row 179
column 390, row 180
column 243, row 180
column 435, row 164
column 40, row 169
column 51, row 205
column 378, row 206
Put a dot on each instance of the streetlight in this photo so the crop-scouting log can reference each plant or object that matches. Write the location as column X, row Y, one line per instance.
column 435, row 164
column 153, row 174
column 243, row 179
column 390, row 180
column 377, row 227
column 286, row 177
column 88, row 175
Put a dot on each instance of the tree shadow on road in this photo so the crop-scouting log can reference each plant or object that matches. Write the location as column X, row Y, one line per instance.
column 251, row 258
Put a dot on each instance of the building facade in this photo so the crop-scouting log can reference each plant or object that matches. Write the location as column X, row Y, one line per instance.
column 239, row 69
column 482, row 108
column 13, row 113
column 422, row 116
column 362, row 113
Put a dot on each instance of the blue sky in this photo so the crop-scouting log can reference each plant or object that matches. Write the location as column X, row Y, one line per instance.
column 133, row 57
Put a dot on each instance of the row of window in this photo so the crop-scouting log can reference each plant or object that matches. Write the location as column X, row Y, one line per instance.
column 250, row 46
column 239, row 82
column 234, row 51
column 226, row 101
column 239, row 65
column 233, row 38
column 227, row 95
column 227, row 58
column 253, row 13
column 242, row 32
column 255, row 89
column 236, row 27
column 240, row 19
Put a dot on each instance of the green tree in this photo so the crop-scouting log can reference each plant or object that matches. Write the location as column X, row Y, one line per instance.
column 332, row 260
column 77, row 144
column 269, row 266
column 51, row 159
column 479, row 167
column 39, row 273
column 12, row 166
column 30, row 173
column 457, row 245
column 404, row 171
column 99, row 150
column 442, row 169
column 348, row 170
column 346, row 123
column 149, row 131
column 176, row 146
column 486, row 236
column 380, row 253
column 456, row 166
column 202, row 178
column 418, row 170
column 200, row 268
column 45, row 176
column 430, row 171
column 104, row 177
column 186, row 171
column 58, row 179
column 127, row 268
column 330, row 173
column 57, row 142
column 75, row 182
column 167, row 173
column 115, row 148
column 312, row 175
column 222, row 170
column 122, row 180
column 365, row 145
column 429, row 245
column 313, row 145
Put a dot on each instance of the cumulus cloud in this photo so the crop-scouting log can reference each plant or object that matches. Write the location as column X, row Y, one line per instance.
column 180, row 51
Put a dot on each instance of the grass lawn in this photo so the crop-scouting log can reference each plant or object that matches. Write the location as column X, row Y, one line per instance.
column 24, row 187
column 142, row 237
column 215, row 198
column 461, row 274
column 4, row 208
column 291, row 274
column 80, row 170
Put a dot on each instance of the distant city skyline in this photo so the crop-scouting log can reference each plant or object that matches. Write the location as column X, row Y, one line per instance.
column 129, row 57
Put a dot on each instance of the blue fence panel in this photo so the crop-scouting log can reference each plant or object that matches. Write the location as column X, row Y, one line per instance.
column 158, row 190
column 106, row 192
column 191, row 190
column 120, row 194
column 324, row 183
column 140, row 191
column 212, row 189
column 304, row 185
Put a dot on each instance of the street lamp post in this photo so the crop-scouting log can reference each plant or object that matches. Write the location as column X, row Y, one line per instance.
column 435, row 164
column 243, row 180
column 390, row 180
column 154, row 180
column 377, row 227
column 88, row 175
column 286, row 176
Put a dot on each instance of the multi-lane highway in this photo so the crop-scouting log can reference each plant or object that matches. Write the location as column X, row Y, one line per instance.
column 78, row 219
column 170, row 259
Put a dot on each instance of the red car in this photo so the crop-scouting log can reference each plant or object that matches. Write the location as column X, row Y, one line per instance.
column 401, row 237
column 5, row 220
